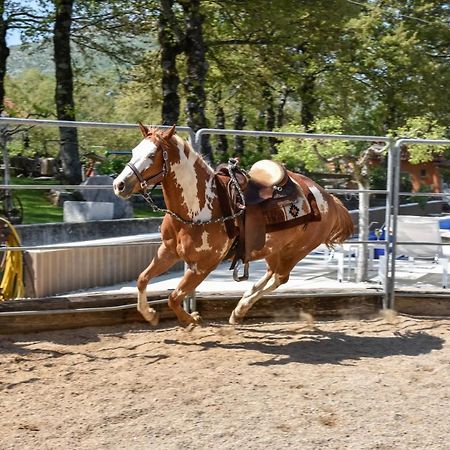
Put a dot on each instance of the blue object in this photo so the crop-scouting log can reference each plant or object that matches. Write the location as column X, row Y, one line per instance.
column 444, row 223
column 373, row 237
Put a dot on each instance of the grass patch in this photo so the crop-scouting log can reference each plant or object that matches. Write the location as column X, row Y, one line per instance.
column 37, row 207
column 144, row 212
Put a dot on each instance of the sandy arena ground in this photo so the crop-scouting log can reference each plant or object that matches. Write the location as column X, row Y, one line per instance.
column 344, row 384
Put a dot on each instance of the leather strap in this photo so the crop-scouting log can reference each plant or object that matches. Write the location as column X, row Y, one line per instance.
column 155, row 179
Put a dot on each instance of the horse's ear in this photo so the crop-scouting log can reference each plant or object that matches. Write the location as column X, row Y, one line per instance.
column 144, row 129
column 169, row 132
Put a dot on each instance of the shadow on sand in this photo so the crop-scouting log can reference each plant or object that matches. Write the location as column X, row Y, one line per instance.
column 325, row 347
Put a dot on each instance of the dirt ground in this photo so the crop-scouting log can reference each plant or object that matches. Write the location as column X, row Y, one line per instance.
column 343, row 384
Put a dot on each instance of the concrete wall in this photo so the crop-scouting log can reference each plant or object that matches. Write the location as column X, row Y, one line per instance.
column 59, row 233
column 79, row 267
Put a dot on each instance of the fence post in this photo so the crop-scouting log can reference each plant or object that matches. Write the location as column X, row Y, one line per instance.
column 388, row 276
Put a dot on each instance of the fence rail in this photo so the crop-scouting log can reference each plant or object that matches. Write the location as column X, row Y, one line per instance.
column 392, row 192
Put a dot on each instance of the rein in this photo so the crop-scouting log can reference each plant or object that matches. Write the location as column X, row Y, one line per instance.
column 146, row 194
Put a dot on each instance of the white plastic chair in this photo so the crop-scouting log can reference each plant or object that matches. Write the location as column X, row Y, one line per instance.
column 345, row 252
column 420, row 229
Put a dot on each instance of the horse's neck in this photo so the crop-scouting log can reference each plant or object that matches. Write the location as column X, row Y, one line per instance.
column 189, row 187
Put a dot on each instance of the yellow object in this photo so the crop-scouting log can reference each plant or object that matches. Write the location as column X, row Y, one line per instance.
column 11, row 266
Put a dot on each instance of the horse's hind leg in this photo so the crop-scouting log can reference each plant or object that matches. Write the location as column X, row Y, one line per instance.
column 162, row 262
column 268, row 283
column 279, row 268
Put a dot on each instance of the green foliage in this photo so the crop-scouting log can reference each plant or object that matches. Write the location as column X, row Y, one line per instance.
column 422, row 128
column 357, row 67
column 314, row 154
column 112, row 165
column 378, row 177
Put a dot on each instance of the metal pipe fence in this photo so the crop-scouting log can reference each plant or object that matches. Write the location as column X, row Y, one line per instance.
column 396, row 197
column 392, row 190
column 388, row 286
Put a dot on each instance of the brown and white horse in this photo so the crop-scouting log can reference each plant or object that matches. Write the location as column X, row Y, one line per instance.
column 190, row 192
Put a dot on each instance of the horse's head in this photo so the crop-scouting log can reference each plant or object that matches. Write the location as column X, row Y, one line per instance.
column 148, row 163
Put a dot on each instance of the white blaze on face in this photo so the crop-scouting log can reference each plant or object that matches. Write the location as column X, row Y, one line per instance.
column 322, row 204
column 186, row 178
column 142, row 158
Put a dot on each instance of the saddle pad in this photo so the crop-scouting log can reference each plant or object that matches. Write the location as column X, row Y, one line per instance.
column 287, row 209
column 300, row 208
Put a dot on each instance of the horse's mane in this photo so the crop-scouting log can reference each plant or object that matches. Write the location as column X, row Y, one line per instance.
column 157, row 134
column 192, row 150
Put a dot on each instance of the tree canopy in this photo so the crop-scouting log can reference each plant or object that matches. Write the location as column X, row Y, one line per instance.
column 358, row 67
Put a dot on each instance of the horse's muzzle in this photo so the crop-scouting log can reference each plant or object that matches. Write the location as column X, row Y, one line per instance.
column 120, row 189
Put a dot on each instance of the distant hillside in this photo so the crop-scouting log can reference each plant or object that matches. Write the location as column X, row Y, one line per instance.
column 22, row 58
column 40, row 57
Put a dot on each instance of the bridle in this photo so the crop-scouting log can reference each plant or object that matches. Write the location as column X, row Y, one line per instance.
column 154, row 179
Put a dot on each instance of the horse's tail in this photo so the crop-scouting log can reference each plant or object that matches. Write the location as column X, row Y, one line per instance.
column 343, row 226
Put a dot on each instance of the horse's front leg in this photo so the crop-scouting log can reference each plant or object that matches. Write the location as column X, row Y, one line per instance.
column 188, row 283
column 162, row 262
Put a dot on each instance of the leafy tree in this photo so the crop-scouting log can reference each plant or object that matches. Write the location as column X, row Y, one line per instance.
column 4, row 52
column 422, row 128
column 388, row 66
column 171, row 40
column 64, row 100
column 13, row 15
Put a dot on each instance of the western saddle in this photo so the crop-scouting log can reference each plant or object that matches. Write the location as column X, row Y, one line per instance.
column 271, row 201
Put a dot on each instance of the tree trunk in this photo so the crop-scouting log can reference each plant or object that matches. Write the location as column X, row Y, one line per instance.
column 270, row 125
column 309, row 101
column 222, row 142
column 281, row 105
column 171, row 46
column 269, row 116
column 196, row 70
column 363, row 225
column 4, row 53
column 65, row 105
column 260, row 125
column 239, row 124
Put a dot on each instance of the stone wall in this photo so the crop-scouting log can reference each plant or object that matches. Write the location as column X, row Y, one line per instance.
column 59, row 233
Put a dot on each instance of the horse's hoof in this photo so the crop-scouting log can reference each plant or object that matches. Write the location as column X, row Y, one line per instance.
column 197, row 318
column 234, row 320
column 192, row 321
column 155, row 320
column 151, row 316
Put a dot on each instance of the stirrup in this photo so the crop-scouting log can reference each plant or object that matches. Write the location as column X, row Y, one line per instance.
column 236, row 276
